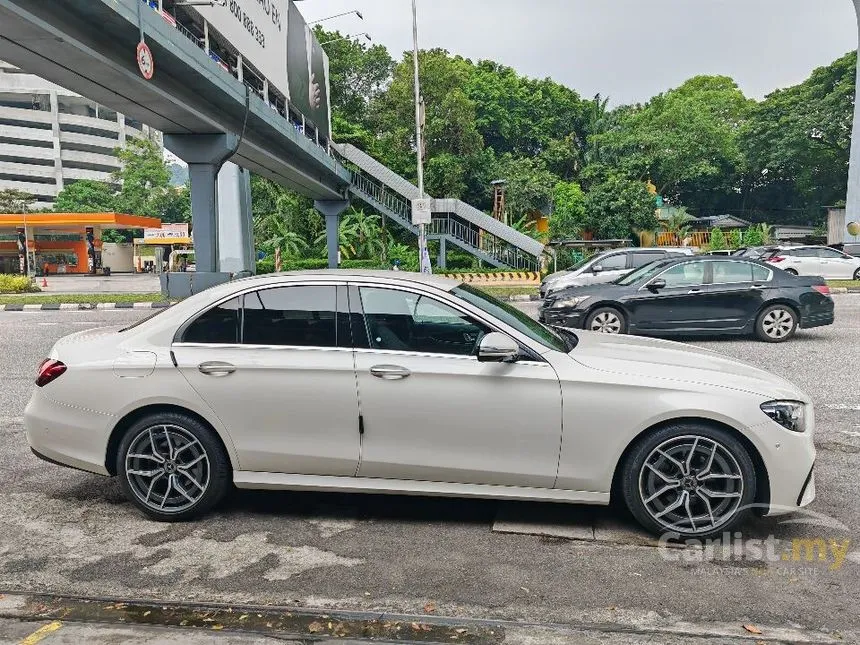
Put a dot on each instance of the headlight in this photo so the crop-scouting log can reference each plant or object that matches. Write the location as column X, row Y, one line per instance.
column 572, row 301
column 788, row 414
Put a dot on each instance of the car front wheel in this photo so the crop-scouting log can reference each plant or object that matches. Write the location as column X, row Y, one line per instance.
column 172, row 467
column 689, row 481
column 606, row 320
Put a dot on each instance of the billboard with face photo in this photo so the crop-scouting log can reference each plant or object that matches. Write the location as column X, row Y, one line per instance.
column 307, row 66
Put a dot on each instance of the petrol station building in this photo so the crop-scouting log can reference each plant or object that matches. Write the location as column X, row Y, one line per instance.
column 60, row 242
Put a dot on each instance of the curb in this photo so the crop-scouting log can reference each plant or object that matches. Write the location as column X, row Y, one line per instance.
column 85, row 306
column 839, row 290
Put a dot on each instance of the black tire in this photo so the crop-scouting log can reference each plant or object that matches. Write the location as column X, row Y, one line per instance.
column 776, row 324
column 189, row 451
column 857, row 274
column 638, row 482
column 603, row 319
column 791, row 271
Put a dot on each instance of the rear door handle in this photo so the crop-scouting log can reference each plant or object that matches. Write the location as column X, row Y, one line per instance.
column 691, row 291
column 389, row 372
column 216, row 368
column 757, row 287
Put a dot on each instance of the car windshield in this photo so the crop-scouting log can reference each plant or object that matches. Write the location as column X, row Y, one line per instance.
column 644, row 273
column 517, row 319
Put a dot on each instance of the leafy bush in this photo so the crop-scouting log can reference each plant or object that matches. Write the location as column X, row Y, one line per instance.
column 16, row 284
column 718, row 240
column 734, row 239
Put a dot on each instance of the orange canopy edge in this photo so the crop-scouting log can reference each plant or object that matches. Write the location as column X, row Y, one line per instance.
column 105, row 220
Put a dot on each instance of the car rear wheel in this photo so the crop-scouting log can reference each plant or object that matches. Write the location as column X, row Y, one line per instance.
column 791, row 271
column 172, row 467
column 606, row 320
column 857, row 274
column 776, row 324
column 692, row 480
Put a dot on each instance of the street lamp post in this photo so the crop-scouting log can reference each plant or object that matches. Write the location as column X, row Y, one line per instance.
column 852, row 201
column 345, row 13
column 337, row 40
column 423, row 254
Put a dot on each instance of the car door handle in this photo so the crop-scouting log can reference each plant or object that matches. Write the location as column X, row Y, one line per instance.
column 757, row 287
column 692, row 291
column 389, row 372
column 216, row 368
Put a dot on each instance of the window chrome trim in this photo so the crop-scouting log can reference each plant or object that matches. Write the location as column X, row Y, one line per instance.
column 267, row 347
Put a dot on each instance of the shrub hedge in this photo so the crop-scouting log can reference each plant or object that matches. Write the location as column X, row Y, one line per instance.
column 16, row 284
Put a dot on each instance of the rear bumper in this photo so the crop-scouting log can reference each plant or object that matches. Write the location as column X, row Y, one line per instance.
column 66, row 435
column 818, row 319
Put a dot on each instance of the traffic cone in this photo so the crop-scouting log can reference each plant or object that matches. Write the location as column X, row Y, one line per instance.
column 44, row 282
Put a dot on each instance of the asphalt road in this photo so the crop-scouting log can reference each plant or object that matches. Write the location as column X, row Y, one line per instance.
column 68, row 532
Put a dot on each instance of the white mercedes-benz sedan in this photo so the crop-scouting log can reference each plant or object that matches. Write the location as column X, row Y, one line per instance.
column 386, row 382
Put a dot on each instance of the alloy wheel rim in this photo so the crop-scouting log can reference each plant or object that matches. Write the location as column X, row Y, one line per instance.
column 606, row 322
column 167, row 468
column 778, row 323
column 691, row 484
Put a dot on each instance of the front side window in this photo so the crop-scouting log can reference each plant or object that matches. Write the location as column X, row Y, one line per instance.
column 830, row 254
column 730, row 272
column 219, row 325
column 291, row 316
column 641, row 259
column 689, row 274
column 615, row 262
column 412, row 322
column 805, row 253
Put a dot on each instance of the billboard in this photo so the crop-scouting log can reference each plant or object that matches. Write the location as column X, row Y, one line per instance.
column 167, row 234
column 308, row 72
column 258, row 30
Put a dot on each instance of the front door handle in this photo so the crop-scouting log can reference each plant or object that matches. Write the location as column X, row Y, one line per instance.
column 757, row 287
column 216, row 368
column 389, row 372
column 692, row 291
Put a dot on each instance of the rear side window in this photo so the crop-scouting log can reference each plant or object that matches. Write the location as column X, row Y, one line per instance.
column 806, row 253
column 218, row 325
column 761, row 274
column 294, row 316
column 641, row 259
column 729, row 272
column 613, row 262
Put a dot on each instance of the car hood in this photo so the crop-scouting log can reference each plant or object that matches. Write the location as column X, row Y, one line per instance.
column 607, row 289
column 652, row 359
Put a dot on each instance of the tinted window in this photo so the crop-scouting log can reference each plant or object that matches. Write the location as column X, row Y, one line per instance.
column 295, row 316
column 761, row 274
column 218, row 325
column 830, row 254
column 412, row 322
column 641, row 259
column 685, row 275
column 727, row 272
column 613, row 262
column 805, row 253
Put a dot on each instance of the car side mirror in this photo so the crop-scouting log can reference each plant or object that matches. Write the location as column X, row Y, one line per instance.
column 657, row 284
column 496, row 347
column 597, row 268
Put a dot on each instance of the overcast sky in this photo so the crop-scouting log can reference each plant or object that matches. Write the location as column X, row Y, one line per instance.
column 628, row 50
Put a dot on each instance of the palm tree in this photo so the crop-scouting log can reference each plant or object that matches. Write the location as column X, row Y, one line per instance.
column 526, row 227
column 766, row 233
column 678, row 224
column 274, row 233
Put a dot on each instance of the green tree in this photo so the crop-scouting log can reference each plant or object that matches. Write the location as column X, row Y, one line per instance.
column 752, row 236
column 86, row 196
column 144, row 178
column 15, row 201
column 568, row 214
column 616, row 206
column 718, row 240
column 733, row 240
column 678, row 224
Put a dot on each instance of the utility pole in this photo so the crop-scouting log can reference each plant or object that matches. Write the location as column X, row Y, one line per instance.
column 423, row 254
column 852, row 202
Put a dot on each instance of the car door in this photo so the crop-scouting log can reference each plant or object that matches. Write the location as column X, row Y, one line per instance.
column 432, row 412
column 680, row 305
column 737, row 292
column 836, row 265
column 276, row 366
column 805, row 261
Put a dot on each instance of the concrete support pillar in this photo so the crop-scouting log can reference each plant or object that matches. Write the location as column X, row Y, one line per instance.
column 332, row 211
column 852, row 202
column 443, row 254
column 55, row 135
column 235, row 225
column 204, row 154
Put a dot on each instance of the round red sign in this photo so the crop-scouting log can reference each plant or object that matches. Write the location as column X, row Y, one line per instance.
column 145, row 61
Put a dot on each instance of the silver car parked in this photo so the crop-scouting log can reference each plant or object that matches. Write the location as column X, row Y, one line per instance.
column 402, row 383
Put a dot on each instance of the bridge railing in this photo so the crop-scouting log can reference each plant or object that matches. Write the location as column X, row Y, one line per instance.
column 445, row 224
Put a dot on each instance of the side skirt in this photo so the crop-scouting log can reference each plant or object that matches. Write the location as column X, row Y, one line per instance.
column 321, row 483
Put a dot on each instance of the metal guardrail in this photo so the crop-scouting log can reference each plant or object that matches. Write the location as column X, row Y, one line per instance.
column 481, row 243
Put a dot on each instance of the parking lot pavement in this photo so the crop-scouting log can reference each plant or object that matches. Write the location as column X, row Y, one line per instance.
column 116, row 283
column 68, row 532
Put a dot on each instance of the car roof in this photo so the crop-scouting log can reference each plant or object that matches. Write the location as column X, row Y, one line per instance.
column 438, row 281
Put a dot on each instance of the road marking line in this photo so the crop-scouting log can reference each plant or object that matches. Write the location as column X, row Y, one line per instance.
column 842, row 406
column 42, row 633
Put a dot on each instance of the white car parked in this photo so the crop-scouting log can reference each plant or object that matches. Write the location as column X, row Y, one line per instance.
column 402, row 383
column 606, row 267
column 817, row 261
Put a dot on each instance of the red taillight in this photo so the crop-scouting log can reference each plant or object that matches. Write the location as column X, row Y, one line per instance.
column 823, row 289
column 49, row 370
column 776, row 258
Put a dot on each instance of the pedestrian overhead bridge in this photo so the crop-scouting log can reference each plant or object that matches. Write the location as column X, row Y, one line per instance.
column 211, row 112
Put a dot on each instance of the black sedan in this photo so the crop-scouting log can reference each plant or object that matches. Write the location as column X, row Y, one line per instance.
column 706, row 295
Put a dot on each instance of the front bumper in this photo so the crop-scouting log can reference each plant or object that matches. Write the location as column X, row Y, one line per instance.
column 562, row 317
